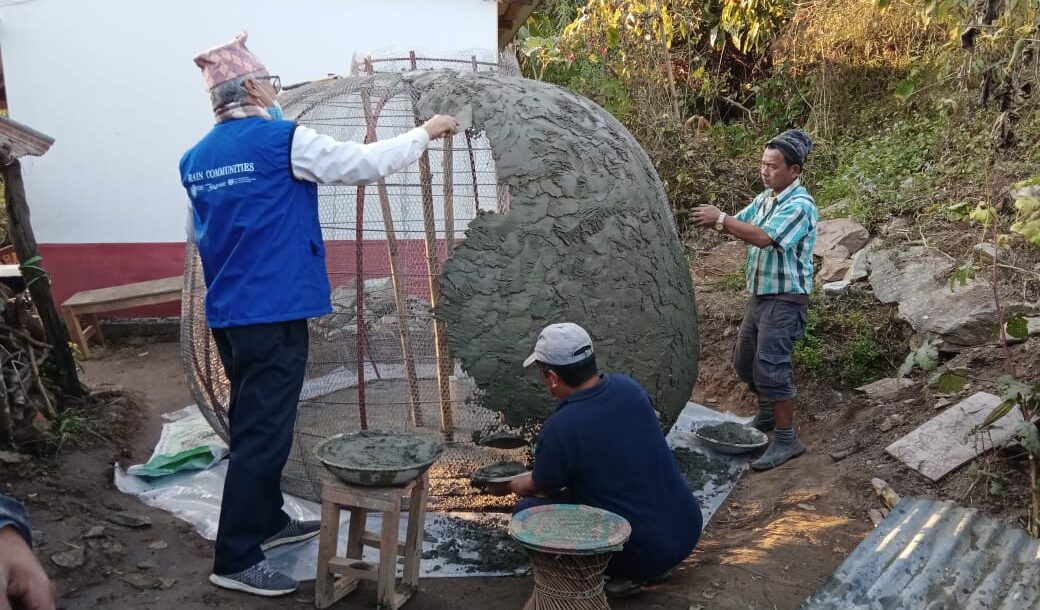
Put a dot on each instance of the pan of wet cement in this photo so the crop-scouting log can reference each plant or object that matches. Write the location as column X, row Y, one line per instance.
column 501, row 471
column 378, row 458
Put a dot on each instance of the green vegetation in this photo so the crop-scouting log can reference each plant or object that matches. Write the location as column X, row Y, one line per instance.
column 912, row 113
column 848, row 341
column 732, row 282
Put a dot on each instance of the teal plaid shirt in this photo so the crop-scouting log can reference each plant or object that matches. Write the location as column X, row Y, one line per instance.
column 789, row 219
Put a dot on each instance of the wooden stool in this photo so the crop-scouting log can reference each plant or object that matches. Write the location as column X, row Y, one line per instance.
column 352, row 569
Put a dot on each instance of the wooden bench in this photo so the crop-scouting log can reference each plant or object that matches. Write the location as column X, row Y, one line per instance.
column 89, row 303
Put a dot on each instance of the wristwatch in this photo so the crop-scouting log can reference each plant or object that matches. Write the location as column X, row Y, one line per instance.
column 721, row 222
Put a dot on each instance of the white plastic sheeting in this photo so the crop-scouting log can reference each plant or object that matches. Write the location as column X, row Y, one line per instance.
column 194, row 496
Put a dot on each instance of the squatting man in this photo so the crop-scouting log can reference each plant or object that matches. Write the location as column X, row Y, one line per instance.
column 779, row 226
column 603, row 447
column 252, row 182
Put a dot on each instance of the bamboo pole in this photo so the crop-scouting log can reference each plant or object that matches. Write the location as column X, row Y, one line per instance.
column 359, row 268
column 395, row 276
column 449, row 196
column 433, row 268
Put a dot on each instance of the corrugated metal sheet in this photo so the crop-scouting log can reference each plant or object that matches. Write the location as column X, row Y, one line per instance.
column 931, row 555
column 18, row 140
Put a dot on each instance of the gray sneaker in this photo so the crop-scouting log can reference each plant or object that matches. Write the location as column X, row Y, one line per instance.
column 294, row 531
column 261, row 579
column 777, row 454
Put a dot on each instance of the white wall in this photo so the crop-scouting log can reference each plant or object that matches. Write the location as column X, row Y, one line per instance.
column 114, row 83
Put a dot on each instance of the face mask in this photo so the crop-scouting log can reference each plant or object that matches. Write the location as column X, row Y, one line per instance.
column 275, row 111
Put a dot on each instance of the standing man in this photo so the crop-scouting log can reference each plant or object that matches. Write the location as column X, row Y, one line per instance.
column 780, row 227
column 603, row 447
column 252, row 182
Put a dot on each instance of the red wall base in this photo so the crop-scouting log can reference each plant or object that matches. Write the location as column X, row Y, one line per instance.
column 77, row 267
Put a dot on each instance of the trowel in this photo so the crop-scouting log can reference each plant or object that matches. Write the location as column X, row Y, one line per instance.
column 504, row 440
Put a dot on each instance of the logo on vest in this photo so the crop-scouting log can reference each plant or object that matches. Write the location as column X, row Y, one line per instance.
column 220, row 172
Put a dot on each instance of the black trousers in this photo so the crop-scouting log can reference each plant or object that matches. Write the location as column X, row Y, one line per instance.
column 265, row 364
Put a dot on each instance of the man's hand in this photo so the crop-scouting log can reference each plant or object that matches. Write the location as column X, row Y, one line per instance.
column 440, row 125
column 705, row 215
column 22, row 579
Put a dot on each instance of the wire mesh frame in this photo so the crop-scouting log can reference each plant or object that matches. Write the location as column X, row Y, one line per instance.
column 379, row 360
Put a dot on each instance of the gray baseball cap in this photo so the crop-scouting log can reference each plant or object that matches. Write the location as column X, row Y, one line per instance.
column 561, row 344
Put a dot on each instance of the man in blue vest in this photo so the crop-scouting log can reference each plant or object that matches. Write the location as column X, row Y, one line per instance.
column 252, row 181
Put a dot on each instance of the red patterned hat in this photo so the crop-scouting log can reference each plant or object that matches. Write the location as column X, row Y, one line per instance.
column 223, row 63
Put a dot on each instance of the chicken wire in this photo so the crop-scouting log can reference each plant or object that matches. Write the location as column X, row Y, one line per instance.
column 380, row 359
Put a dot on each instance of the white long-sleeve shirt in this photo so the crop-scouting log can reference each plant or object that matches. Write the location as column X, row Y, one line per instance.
column 322, row 159
column 325, row 160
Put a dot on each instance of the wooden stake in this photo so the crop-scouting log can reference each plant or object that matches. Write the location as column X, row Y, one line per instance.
column 37, row 281
column 359, row 268
column 395, row 278
column 449, row 196
column 433, row 269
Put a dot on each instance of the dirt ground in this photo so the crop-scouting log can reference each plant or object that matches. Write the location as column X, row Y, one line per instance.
column 781, row 534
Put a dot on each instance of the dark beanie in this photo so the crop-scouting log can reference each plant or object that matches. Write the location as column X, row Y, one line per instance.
column 795, row 145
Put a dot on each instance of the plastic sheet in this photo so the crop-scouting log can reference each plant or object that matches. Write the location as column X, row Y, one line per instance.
column 188, row 442
column 681, row 435
column 194, row 496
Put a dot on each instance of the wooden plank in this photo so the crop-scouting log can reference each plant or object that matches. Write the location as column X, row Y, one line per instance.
column 76, row 332
column 353, row 569
column 355, row 532
column 946, row 441
column 340, row 589
column 373, row 541
column 127, row 303
column 413, row 538
column 165, row 288
column 369, row 498
column 19, row 140
column 400, row 597
column 385, row 589
column 328, row 541
column 372, row 502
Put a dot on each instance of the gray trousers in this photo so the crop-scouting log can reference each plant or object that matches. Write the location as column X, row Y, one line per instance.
column 762, row 358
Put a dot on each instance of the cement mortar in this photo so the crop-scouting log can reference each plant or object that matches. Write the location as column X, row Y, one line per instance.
column 481, row 544
column 377, row 451
column 499, row 470
column 588, row 238
column 699, row 470
column 729, row 432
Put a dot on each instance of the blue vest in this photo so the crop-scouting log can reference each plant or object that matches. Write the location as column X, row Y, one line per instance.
column 256, row 226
